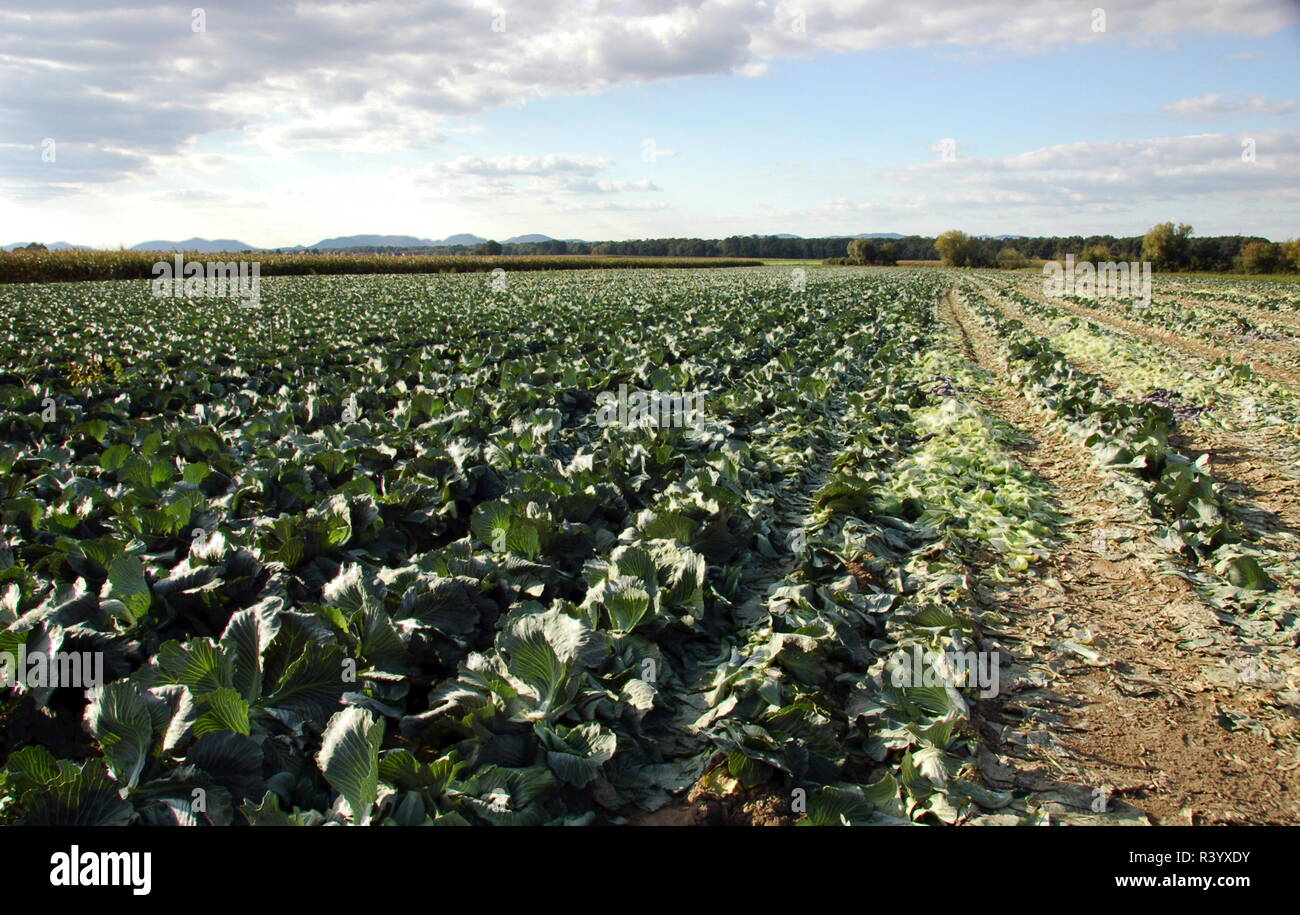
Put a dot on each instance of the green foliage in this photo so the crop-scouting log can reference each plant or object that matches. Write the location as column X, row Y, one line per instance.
column 367, row 555
column 1011, row 259
column 1097, row 254
column 1167, row 246
column 1261, row 257
column 957, row 249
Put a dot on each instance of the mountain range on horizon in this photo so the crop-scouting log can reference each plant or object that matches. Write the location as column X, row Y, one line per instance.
column 338, row 243
column 52, row 246
column 344, row 242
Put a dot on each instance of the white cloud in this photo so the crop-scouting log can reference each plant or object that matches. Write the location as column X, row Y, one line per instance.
column 1209, row 107
column 1069, row 187
column 1026, row 26
column 1112, row 172
column 383, row 75
column 477, row 178
column 540, row 166
column 651, row 153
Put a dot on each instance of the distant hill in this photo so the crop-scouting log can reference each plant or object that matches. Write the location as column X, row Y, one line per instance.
column 374, row 241
column 52, row 246
column 343, row 242
column 201, row 245
column 338, row 243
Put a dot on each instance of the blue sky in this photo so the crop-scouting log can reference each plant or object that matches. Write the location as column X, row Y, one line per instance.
column 281, row 124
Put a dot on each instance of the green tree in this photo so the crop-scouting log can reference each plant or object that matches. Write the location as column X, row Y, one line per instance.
column 956, row 249
column 1010, row 259
column 887, row 256
column 1261, row 257
column 862, row 251
column 1167, row 247
column 1291, row 253
column 491, row 246
column 1097, row 254
column 1212, row 254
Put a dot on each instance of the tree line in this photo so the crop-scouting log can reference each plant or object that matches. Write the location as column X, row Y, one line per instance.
column 1167, row 246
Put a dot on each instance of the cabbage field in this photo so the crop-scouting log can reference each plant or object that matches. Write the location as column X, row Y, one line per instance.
column 448, row 549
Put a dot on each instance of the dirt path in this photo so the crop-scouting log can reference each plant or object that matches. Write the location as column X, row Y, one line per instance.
column 1104, row 702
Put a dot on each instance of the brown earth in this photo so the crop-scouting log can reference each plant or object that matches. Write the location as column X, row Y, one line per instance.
column 706, row 807
column 1107, row 695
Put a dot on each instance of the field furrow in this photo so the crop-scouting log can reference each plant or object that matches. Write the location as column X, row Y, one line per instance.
column 1111, row 718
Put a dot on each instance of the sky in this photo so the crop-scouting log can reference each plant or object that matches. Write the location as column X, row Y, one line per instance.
column 283, row 123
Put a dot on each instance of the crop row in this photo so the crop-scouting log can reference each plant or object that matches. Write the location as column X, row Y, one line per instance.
column 23, row 266
column 1197, row 520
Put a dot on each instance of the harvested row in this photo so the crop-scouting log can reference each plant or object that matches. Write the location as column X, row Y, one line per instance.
column 1116, row 715
column 1249, row 445
column 1254, row 654
column 1135, row 437
column 1204, row 343
column 1215, row 398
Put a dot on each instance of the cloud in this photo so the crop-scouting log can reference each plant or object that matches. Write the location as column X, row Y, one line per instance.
column 610, row 207
column 583, row 186
column 198, row 196
column 651, row 153
column 1210, row 107
column 1008, row 25
column 1069, row 187
column 383, row 75
column 354, row 128
column 62, row 164
column 1094, row 173
column 538, row 166
column 477, row 178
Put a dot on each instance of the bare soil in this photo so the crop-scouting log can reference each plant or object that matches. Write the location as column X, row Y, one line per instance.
column 1107, row 714
column 704, row 807
column 1252, row 468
